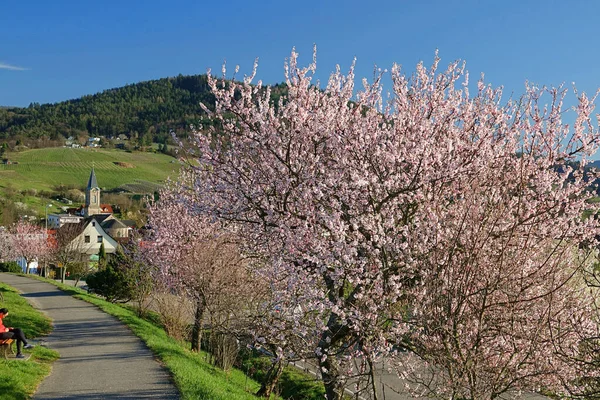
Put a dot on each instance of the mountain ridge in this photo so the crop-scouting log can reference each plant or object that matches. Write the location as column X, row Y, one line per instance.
column 145, row 111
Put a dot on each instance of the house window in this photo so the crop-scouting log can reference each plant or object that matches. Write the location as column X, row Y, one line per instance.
column 87, row 238
column 93, row 223
column 99, row 239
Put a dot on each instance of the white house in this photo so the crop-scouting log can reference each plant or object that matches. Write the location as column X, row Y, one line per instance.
column 92, row 237
column 94, row 142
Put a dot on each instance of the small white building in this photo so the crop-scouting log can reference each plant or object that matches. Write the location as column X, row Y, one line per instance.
column 56, row 221
column 93, row 142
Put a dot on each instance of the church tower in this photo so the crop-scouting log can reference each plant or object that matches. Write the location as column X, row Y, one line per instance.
column 92, row 196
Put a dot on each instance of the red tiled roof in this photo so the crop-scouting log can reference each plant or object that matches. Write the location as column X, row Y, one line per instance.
column 106, row 208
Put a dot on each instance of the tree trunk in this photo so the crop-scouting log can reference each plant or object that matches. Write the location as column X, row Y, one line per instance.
column 62, row 274
column 197, row 330
column 330, row 374
column 270, row 381
column 26, row 266
column 372, row 377
column 336, row 333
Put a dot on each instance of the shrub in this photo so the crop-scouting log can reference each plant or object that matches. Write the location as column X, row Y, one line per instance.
column 78, row 270
column 29, row 192
column 223, row 350
column 10, row 266
column 75, row 195
column 175, row 312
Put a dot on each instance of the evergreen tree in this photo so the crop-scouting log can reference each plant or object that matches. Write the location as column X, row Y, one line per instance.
column 111, row 281
column 102, row 257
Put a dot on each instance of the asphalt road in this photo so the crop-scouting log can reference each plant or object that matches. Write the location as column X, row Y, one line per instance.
column 99, row 356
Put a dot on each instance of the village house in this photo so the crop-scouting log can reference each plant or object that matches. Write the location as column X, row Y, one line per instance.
column 92, row 237
column 93, row 142
column 96, row 223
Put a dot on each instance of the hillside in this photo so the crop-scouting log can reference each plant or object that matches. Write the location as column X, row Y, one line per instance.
column 146, row 111
column 44, row 169
column 40, row 176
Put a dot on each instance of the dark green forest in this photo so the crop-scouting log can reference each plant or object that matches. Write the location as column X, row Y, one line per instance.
column 146, row 111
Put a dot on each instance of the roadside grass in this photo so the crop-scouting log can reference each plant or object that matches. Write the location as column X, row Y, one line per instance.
column 19, row 379
column 195, row 378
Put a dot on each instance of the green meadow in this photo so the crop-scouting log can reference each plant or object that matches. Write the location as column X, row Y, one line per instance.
column 44, row 169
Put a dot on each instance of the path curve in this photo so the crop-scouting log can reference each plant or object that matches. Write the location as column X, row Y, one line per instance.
column 99, row 356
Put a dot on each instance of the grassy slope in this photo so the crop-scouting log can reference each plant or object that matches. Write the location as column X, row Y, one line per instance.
column 42, row 169
column 19, row 379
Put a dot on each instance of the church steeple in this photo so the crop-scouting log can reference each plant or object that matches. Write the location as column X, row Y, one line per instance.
column 92, row 196
column 92, row 183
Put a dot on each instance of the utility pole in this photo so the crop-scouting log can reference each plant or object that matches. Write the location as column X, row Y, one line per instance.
column 46, row 236
column 46, row 216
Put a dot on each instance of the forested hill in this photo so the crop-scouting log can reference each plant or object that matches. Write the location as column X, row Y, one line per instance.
column 146, row 110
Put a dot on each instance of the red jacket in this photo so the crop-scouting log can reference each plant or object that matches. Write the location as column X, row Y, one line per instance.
column 2, row 327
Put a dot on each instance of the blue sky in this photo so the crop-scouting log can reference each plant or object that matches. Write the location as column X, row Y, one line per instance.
column 71, row 48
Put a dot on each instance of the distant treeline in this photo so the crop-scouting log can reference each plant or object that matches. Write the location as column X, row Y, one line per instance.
column 146, row 111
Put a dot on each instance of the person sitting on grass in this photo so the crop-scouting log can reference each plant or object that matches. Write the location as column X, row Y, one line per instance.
column 13, row 333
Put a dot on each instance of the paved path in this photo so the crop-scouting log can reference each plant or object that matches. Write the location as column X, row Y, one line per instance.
column 99, row 357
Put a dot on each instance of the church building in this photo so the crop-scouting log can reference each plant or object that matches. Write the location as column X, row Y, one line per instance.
column 92, row 199
column 92, row 196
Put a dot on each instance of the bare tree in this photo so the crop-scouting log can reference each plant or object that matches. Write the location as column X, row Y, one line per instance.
column 139, row 274
column 65, row 251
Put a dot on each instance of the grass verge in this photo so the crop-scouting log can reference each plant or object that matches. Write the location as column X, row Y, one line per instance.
column 19, row 379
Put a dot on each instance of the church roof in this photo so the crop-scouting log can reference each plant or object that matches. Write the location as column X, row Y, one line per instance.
column 92, row 183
